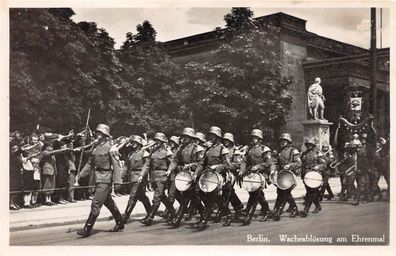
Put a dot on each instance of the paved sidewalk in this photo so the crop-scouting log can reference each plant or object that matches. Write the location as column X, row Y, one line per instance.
column 72, row 213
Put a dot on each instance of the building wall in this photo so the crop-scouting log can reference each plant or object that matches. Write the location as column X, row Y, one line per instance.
column 294, row 53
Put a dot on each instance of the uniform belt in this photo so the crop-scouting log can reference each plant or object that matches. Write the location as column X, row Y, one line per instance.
column 102, row 170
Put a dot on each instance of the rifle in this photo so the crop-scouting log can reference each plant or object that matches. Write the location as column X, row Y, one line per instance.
column 85, row 140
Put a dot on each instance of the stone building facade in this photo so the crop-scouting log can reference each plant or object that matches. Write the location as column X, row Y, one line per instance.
column 305, row 56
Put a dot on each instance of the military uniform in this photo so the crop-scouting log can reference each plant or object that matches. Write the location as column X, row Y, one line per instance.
column 329, row 158
column 157, row 164
column 286, row 156
column 312, row 160
column 106, row 171
column 258, row 156
column 186, row 158
column 362, row 174
column 135, row 164
column 215, row 155
column 374, row 177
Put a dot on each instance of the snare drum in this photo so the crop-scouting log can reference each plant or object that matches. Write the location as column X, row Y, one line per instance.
column 286, row 180
column 210, row 181
column 183, row 181
column 253, row 181
column 313, row 179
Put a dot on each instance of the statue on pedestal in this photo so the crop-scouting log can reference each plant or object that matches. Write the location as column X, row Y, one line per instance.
column 316, row 100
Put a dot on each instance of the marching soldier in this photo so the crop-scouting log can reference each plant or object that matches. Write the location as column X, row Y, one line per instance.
column 135, row 163
column 228, row 189
column 196, row 203
column 157, row 163
column 258, row 159
column 312, row 160
column 174, row 143
column 215, row 159
column 288, row 159
column 106, row 170
column 186, row 158
column 329, row 158
column 362, row 168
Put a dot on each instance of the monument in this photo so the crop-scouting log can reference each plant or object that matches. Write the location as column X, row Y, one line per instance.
column 316, row 127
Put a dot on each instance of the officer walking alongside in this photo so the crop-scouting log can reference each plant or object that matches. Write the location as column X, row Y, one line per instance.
column 186, row 158
column 157, row 163
column 106, row 171
column 312, row 160
column 258, row 159
column 135, row 162
column 288, row 159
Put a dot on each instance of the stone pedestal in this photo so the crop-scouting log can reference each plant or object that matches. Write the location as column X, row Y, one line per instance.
column 317, row 129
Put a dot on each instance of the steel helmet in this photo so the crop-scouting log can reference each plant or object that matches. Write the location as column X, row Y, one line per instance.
column 103, row 129
column 228, row 136
column 310, row 141
column 160, row 136
column 188, row 132
column 257, row 132
column 215, row 130
column 137, row 139
column 286, row 136
column 175, row 139
column 200, row 136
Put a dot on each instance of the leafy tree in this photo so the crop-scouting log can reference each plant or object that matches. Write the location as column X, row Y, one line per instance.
column 151, row 91
column 242, row 86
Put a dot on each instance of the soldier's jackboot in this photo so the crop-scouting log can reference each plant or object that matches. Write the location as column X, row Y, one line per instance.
column 86, row 231
column 357, row 199
column 318, row 208
column 304, row 213
column 119, row 223
column 149, row 220
column 147, row 205
column 176, row 221
column 217, row 217
column 248, row 219
column 228, row 220
column 128, row 212
column 165, row 214
column 294, row 212
column 203, row 223
column 248, row 206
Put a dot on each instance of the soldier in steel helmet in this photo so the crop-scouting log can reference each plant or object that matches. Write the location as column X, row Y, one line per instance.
column 329, row 158
column 135, row 162
column 157, row 164
column 186, row 158
column 363, row 164
column 215, row 159
column 288, row 159
column 258, row 159
column 107, row 170
column 312, row 160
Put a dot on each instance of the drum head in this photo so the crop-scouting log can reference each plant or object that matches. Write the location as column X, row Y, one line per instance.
column 285, row 180
column 209, row 181
column 183, row 181
column 313, row 179
column 253, row 182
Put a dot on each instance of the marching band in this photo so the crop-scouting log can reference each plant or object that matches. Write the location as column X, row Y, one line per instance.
column 200, row 172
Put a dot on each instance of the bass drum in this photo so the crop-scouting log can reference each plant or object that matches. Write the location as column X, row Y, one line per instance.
column 286, row 180
column 183, row 181
column 253, row 181
column 313, row 179
column 209, row 181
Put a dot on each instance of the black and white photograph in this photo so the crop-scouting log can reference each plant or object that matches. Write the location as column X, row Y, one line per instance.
column 211, row 125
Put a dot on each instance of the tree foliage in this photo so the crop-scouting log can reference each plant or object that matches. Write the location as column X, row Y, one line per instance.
column 242, row 86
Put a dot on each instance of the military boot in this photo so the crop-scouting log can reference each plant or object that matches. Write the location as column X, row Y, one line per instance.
column 304, row 213
column 119, row 223
column 228, row 220
column 318, row 208
column 128, row 212
column 86, row 231
column 294, row 212
column 149, row 220
column 248, row 219
column 217, row 217
column 147, row 205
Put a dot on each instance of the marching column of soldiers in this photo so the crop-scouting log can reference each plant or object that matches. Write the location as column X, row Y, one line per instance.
column 200, row 173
